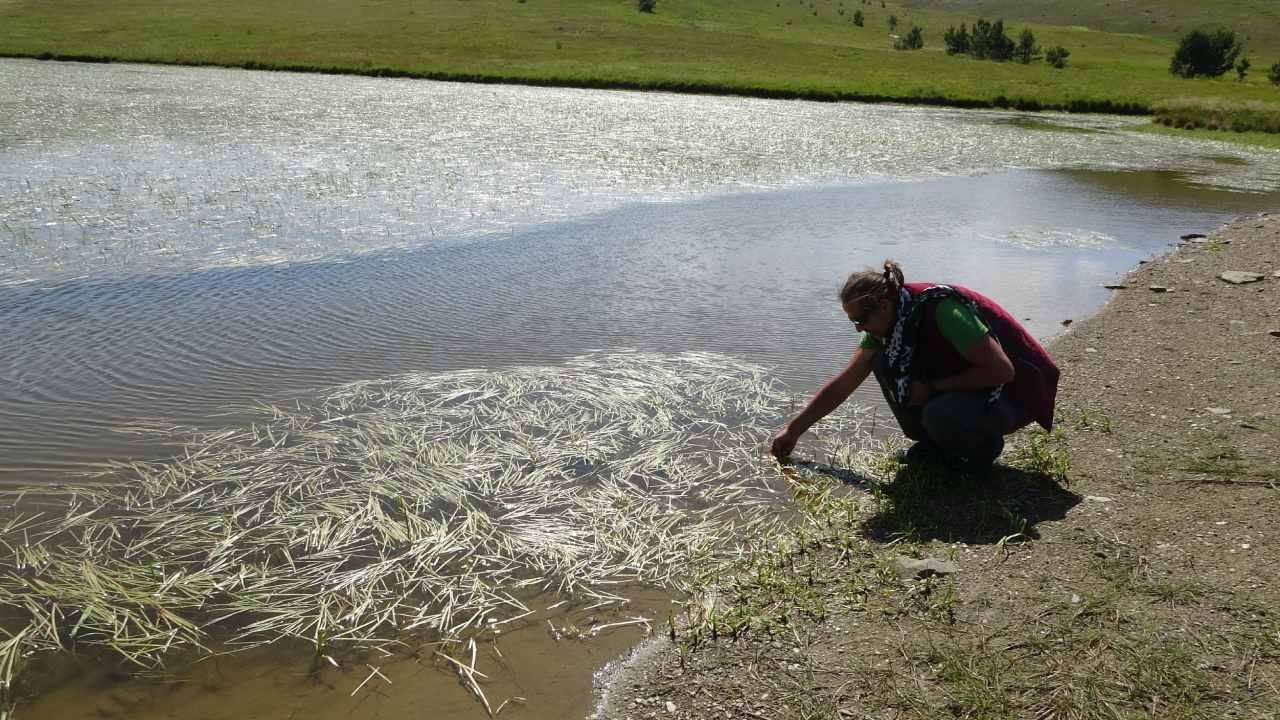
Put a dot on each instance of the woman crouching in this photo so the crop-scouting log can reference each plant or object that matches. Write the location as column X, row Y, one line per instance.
column 958, row 372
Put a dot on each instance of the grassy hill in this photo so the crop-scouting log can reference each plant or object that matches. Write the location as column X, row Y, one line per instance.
column 798, row 48
column 1256, row 21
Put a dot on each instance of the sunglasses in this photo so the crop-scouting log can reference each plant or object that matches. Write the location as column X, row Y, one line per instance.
column 868, row 308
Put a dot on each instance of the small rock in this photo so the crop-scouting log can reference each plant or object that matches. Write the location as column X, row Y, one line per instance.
column 1075, row 599
column 1240, row 277
column 909, row 568
column 1219, row 410
column 1068, row 321
column 1159, row 288
column 1091, row 350
column 1274, row 333
column 671, row 707
column 1097, row 499
column 1116, row 286
column 1192, row 236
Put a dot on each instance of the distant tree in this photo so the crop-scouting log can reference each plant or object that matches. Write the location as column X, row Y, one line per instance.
column 1274, row 74
column 1057, row 56
column 1027, row 50
column 647, row 6
column 1242, row 68
column 1207, row 54
column 989, row 42
column 913, row 40
column 893, row 23
column 857, row 18
column 957, row 41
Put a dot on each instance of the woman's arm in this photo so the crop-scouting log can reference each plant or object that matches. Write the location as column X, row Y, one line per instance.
column 989, row 367
column 836, row 391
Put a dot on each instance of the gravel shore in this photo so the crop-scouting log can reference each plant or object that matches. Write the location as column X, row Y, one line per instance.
column 1126, row 566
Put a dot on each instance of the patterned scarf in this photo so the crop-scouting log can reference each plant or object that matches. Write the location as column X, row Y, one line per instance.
column 901, row 346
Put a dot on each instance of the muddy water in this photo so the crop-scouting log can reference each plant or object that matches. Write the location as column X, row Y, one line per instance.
column 540, row 667
column 177, row 243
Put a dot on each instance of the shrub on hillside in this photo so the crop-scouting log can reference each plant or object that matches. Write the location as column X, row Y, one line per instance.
column 857, row 18
column 1274, row 74
column 913, row 40
column 1207, row 54
column 988, row 41
column 647, row 6
column 1027, row 50
column 957, row 41
column 893, row 23
column 1057, row 56
column 1242, row 68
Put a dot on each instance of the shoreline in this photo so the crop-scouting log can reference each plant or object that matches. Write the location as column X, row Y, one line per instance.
column 998, row 103
column 1143, row 579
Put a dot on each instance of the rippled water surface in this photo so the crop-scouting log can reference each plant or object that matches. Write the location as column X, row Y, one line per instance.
column 177, row 244
column 174, row 242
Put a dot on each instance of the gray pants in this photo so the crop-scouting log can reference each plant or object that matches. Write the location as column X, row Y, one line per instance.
column 958, row 423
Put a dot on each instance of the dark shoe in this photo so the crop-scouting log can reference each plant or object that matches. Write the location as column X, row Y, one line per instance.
column 920, row 453
column 983, row 458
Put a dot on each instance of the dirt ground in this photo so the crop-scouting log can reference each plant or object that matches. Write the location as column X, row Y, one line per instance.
column 1124, row 566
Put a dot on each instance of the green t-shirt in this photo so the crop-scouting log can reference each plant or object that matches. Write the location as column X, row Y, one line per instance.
column 957, row 323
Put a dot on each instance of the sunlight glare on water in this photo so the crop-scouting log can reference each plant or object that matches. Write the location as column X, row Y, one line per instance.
column 126, row 169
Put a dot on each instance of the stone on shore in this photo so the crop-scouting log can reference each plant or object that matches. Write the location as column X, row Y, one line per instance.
column 912, row 569
column 1240, row 277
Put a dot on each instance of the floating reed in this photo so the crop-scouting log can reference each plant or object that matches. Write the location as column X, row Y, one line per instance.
column 422, row 502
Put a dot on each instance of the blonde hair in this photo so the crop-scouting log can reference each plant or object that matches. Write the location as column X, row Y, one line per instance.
column 873, row 284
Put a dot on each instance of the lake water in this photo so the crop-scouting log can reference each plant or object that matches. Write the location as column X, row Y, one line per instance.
column 176, row 244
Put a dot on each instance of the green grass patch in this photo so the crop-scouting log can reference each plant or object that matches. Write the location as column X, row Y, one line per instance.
column 814, row 49
column 1223, row 463
column 1218, row 114
column 1251, row 139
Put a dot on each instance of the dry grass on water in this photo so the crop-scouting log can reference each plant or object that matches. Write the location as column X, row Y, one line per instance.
column 428, row 504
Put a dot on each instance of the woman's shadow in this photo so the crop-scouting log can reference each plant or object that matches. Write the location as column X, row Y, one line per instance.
column 932, row 501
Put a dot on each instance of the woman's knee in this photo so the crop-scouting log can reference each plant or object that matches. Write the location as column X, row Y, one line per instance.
column 957, row 419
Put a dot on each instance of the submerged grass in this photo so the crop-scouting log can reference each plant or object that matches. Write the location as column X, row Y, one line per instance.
column 430, row 504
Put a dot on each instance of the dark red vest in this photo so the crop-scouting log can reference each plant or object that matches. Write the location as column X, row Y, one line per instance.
column 1035, row 382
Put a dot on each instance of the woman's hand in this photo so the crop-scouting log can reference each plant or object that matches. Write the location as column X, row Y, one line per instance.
column 783, row 443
